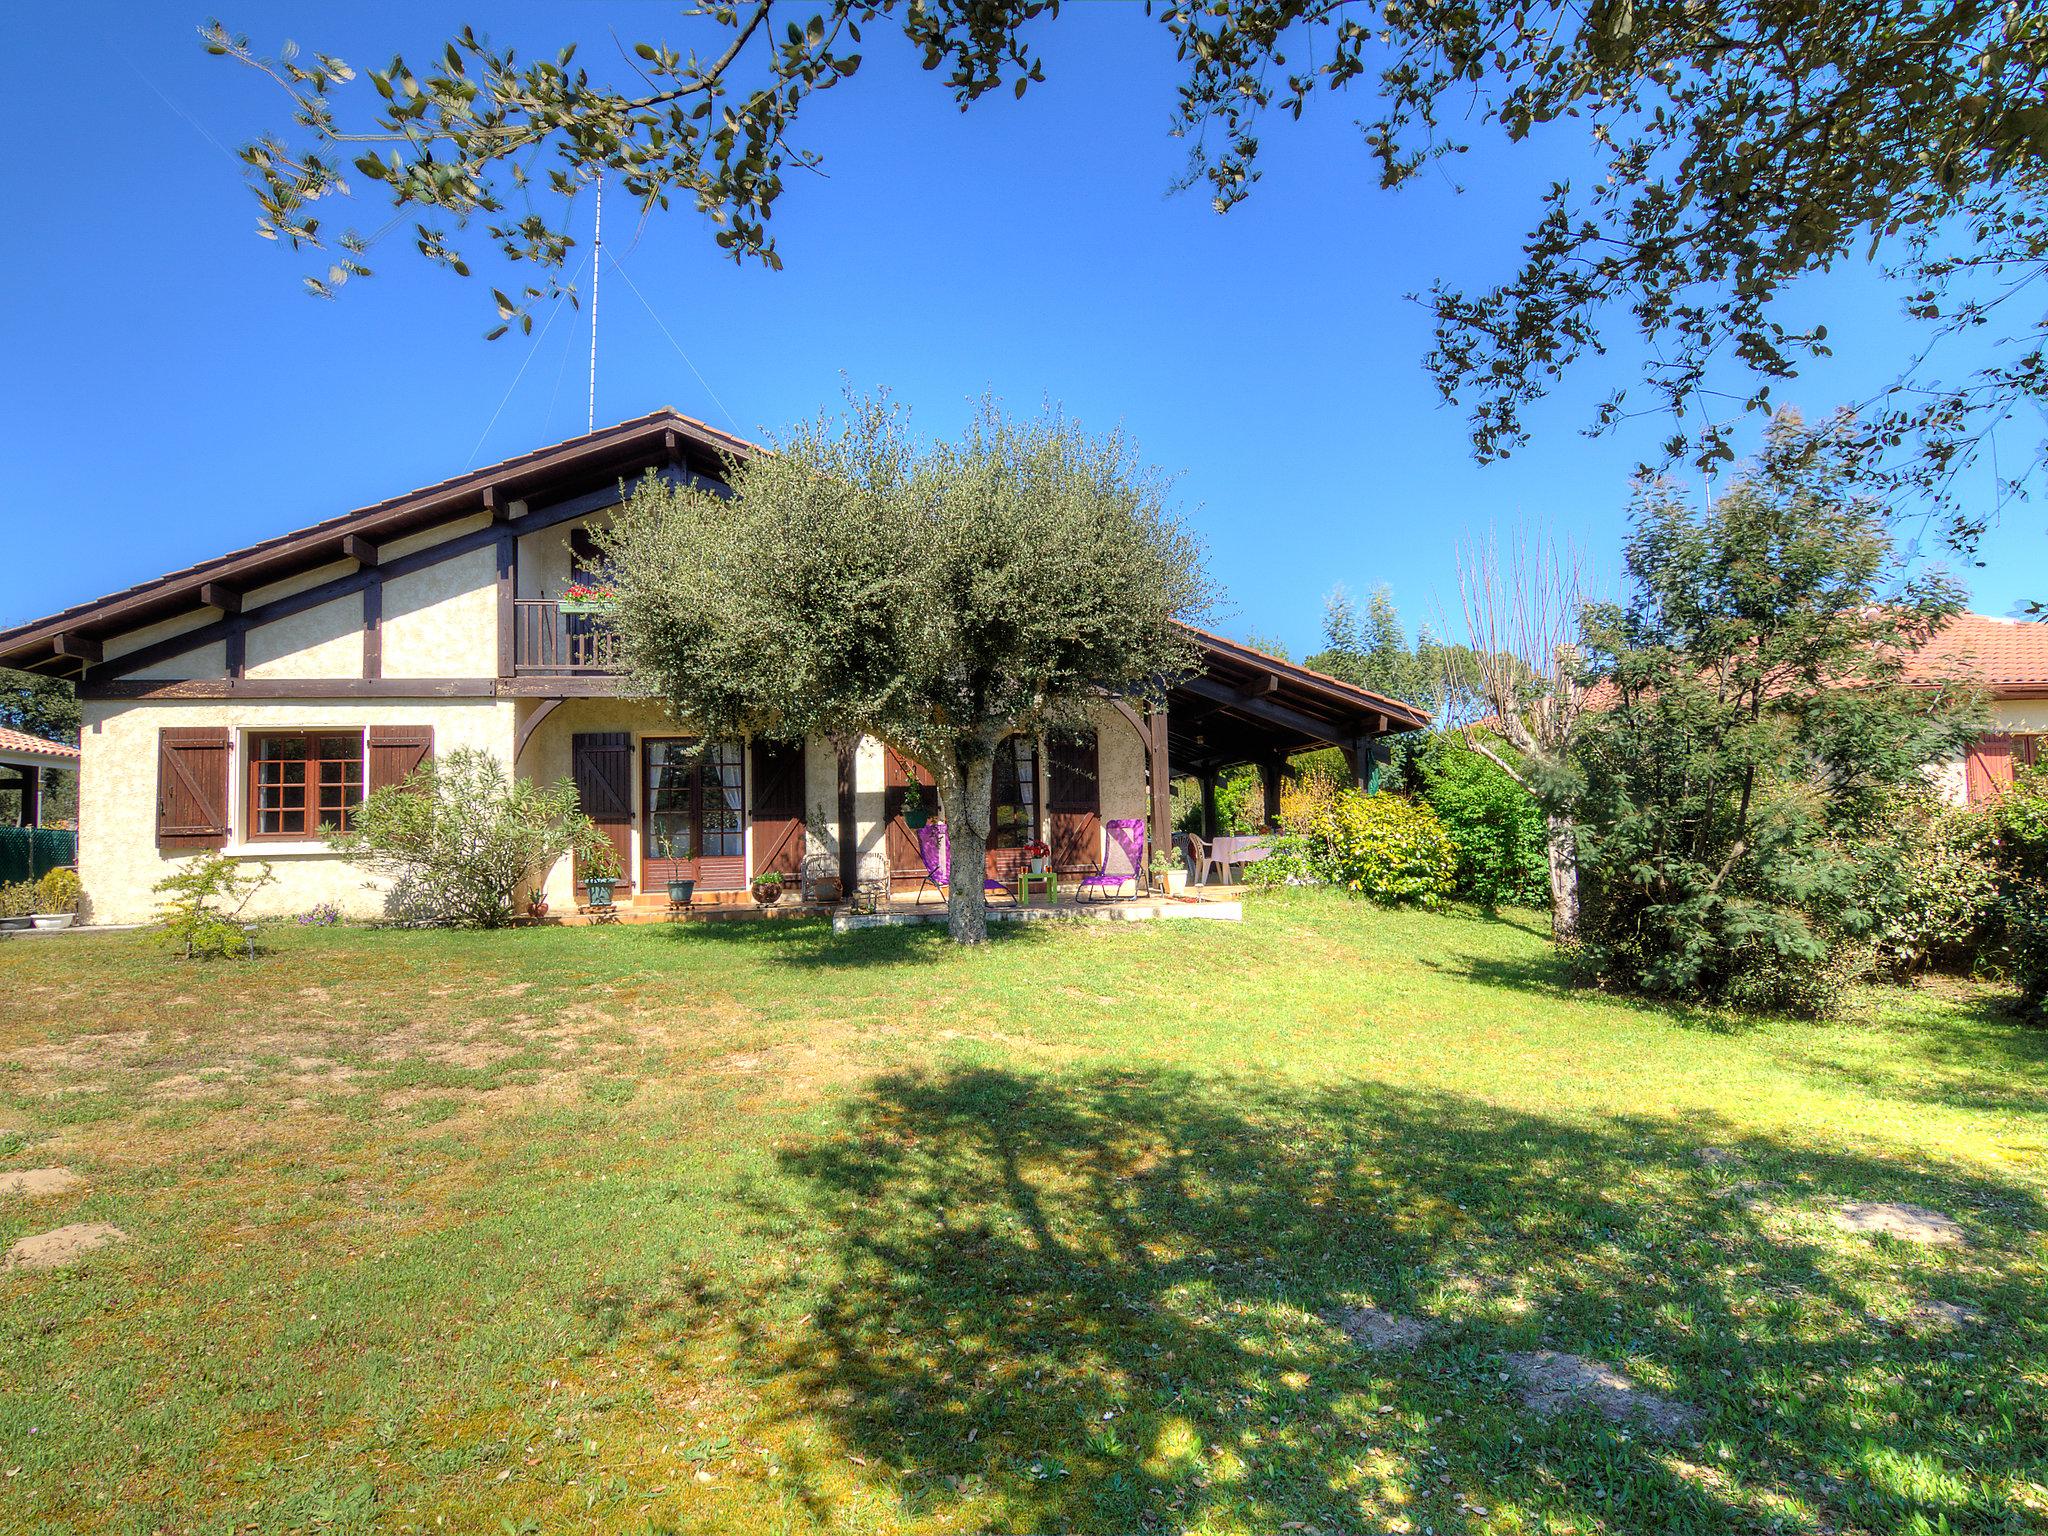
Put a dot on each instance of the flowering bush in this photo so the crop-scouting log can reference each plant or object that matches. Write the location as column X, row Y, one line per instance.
column 325, row 915
column 1380, row 846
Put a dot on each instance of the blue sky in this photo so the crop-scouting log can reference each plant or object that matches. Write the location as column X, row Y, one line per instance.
column 174, row 394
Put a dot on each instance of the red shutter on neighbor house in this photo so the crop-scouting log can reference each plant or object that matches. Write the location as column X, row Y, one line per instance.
column 192, row 787
column 1989, row 767
column 779, row 807
column 396, row 751
column 898, row 774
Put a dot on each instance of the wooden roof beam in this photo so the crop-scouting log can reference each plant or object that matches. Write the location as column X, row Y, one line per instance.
column 78, row 648
column 1266, row 711
column 215, row 594
column 360, row 550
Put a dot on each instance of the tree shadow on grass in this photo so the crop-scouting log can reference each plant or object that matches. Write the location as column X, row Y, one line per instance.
column 814, row 943
column 1103, row 1302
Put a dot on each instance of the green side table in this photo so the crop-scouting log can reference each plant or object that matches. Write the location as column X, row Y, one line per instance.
column 1025, row 882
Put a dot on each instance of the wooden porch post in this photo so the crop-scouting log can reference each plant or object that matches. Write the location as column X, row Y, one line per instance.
column 1269, row 780
column 31, row 796
column 1208, row 802
column 1160, row 772
column 1360, row 755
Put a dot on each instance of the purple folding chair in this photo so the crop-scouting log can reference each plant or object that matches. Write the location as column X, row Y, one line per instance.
column 1123, row 861
column 936, row 850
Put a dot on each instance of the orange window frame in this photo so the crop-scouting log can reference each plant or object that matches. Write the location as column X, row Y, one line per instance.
column 326, row 791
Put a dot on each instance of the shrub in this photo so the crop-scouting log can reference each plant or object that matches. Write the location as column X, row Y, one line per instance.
column 1377, row 845
column 460, row 838
column 58, row 891
column 2019, row 854
column 1933, row 889
column 1494, row 823
column 204, row 902
column 17, row 899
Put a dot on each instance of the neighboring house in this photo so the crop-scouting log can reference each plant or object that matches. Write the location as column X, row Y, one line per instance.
column 25, row 763
column 2008, row 660
column 245, row 702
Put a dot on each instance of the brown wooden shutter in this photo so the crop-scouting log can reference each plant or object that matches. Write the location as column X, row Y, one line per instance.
column 1989, row 767
column 779, row 807
column 898, row 774
column 396, row 752
column 192, row 787
column 601, row 762
column 1073, row 803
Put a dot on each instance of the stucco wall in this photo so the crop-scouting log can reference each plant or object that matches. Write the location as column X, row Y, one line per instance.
column 321, row 642
column 443, row 621
column 544, row 556
column 117, row 853
column 1120, row 761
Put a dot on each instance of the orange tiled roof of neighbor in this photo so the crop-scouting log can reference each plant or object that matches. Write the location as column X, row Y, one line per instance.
column 1995, row 654
column 23, row 744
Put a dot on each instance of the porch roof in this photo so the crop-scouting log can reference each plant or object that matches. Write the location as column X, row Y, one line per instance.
column 1245, row 706
column 18, row 749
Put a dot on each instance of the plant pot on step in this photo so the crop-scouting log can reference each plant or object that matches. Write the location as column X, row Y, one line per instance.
column 767, row 892
column 53, row 919
column 599, row 889
column 537, row 908
column 681, row 892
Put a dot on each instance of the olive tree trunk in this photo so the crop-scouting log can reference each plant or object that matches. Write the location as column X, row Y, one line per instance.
column 1562, row 849
column 964, row 787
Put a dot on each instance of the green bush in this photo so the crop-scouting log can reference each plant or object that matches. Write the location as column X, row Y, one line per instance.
column 204, row 902
column 1494, row 823
column 2019, row 854
column 461, row 838
column 1933, row 890
column 18, row 899
column 1380, row 846
column 59, row 891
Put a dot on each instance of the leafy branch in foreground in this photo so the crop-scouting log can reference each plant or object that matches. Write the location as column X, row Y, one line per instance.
column 1732, row 147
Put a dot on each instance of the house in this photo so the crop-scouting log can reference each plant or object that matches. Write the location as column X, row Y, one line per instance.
column 28, row 761
column 246, row 702
column 2007, row 660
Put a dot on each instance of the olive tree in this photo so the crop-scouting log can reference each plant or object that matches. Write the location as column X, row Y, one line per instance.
column 937, row 596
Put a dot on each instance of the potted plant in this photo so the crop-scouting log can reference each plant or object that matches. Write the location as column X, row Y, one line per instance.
column 1035, row 854
column 56, row 899
column 1169, row 874
column 600, row 873
column 537, row 906
column 915, row 812
column 17, row 901
column 768, row 887
column 587, row 597
column 682, row 888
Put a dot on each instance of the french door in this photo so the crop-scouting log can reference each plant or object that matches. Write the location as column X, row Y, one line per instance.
column 693, row 816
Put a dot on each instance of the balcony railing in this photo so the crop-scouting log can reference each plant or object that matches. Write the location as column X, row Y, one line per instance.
column 549, row 642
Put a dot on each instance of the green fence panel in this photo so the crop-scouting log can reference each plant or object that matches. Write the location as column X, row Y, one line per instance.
column 28, row 853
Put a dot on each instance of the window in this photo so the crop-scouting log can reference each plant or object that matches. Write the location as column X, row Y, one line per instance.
column 695, row 800
column 2026, row 751
column 303, row 782
column 1013, row 821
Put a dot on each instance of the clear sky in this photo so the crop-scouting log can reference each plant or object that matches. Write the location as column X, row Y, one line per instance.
column 173, row 394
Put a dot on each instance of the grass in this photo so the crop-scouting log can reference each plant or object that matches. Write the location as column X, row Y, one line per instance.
column 754, row 1228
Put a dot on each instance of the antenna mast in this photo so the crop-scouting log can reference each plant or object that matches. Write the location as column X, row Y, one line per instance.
column 596, row 264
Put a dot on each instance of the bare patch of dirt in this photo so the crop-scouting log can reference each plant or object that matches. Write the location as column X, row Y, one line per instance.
column 1908, row 1222
column 64, row 1246
column 1554, row 1382
column 1717, row 1157
column 1942, row 1314
column 38, row 1181
column 1378, row 1331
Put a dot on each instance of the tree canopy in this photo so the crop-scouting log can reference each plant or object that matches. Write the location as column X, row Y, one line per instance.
column 1751, row 728
column 938, row 596
column 1733, row 147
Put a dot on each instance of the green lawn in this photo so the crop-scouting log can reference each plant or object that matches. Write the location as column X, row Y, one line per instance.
column 751, row 1228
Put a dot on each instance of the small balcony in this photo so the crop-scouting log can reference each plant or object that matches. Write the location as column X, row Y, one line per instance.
column 546, row 642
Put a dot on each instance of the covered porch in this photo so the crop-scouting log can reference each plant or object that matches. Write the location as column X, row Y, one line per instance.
column 28, row 766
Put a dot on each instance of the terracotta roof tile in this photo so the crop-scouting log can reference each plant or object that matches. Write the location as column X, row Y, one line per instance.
column 35, row 746
column 1995, row 654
